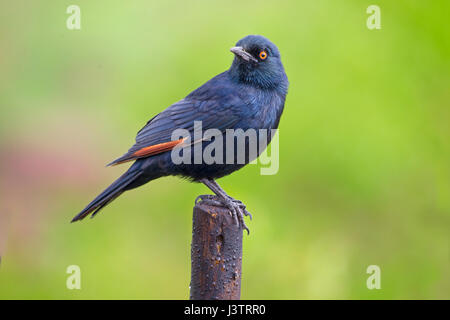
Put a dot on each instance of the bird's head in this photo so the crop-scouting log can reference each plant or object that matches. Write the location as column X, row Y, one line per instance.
column 257, row 62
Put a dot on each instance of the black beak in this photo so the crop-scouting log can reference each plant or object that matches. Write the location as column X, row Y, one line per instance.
column 241, row 53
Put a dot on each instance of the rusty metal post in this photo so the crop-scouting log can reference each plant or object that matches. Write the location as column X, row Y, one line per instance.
column 216, row 255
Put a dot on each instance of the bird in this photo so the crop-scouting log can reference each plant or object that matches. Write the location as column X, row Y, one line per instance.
column 250, row 95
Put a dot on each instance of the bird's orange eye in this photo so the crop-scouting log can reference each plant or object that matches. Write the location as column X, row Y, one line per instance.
column 263, row 55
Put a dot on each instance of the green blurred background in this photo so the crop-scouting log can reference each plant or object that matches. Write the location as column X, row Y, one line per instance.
column 364, row 148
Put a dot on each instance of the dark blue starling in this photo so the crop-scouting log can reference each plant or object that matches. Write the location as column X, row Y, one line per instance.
column 249, row 95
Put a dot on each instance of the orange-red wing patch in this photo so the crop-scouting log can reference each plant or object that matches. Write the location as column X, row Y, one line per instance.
column 157, row 148
column 148, row 151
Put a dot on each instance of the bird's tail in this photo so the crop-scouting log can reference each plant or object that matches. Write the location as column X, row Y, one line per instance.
column 109, row 194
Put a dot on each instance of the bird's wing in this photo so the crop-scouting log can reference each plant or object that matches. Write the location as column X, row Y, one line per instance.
column 155, row 137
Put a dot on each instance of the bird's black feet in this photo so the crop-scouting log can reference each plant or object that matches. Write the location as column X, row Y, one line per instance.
column 237, row 208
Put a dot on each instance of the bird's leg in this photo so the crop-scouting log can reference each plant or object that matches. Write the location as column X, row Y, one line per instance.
column 238, row 202
column 208, row 199
column 237, row 208
column 214, row 186
column 222, row 200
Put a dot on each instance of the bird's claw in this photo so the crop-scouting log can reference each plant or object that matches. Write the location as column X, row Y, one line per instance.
column 205, row 198
column 237, row 208
column 242, row 206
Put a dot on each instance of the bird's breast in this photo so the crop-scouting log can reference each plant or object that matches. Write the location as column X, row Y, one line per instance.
column 263, row 110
